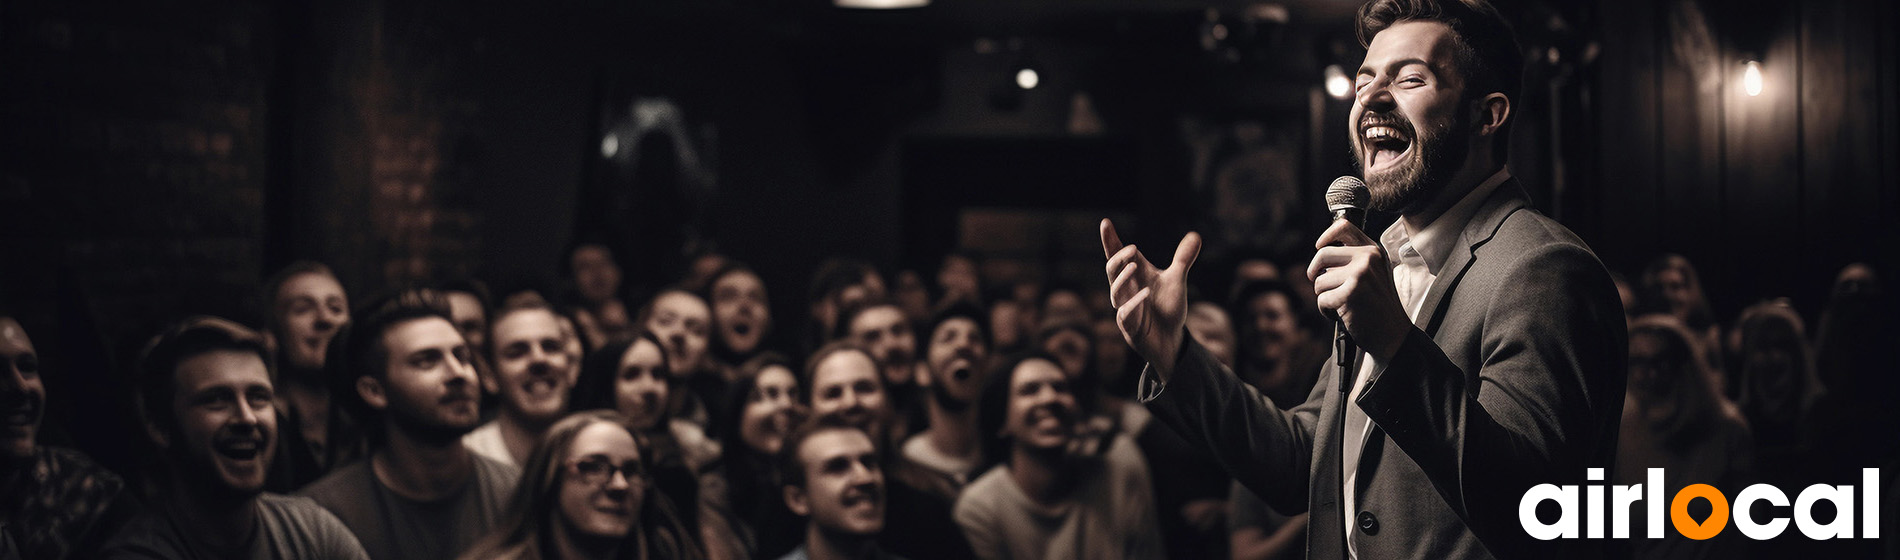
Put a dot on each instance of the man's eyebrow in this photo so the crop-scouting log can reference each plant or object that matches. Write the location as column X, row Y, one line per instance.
column 1400, row 63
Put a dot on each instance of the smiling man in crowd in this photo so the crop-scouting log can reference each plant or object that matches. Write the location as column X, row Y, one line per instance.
column 533, row 374
column 833, row 477
column 207, row 400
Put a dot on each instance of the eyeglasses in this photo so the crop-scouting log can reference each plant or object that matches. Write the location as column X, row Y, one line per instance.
column 598, row 470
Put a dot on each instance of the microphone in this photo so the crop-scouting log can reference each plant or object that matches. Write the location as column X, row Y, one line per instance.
column 1346, row 199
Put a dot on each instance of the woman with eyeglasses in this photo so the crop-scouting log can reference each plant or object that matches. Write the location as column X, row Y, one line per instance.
column 585, row 494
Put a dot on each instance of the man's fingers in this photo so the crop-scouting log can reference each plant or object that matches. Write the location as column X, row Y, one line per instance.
column 1120, row 290
column 1122, row 258
column 1342, row 233
column 1111, row 241
column 1328, row 257
column 1186, row 253
column 1133, row 316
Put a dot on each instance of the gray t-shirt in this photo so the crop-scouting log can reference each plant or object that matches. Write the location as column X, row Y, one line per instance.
column 288, row 528
column 392, row 527
column 1109, row 515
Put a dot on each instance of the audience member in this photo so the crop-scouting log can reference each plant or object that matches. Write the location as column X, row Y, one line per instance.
column 682, row 322
column 767, row 407
column 208, row 403
column 881, row 328
column 834, row 477
column 55, row 502
column 846, row 387
column 959, row 278
column 837, row 284
column 469, row 306
column 637, row 380
column 955, row 360
column 600, row 311
column 421, row 493
column 1857, row 330
column 307, row 306
column 1675, row 418
column 1276, row 352
column 1006, row 326
column 586, row 496
column 911, row 295
column 741, row 315
column 1671, row 286
column 533, row 375
column 1040, row 500
column 1209, row 325
column 1777, row 388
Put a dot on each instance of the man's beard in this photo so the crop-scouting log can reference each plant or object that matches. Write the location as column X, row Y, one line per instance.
column 941, row 393
column 410, row 418
column 1436, row 154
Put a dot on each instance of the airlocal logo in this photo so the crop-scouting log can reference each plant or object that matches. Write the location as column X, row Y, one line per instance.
column 1651, row 494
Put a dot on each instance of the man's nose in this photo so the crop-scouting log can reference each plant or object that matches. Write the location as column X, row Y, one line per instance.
column 1375, row 96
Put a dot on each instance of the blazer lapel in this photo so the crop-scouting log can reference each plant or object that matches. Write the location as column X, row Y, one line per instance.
column 1508, row 198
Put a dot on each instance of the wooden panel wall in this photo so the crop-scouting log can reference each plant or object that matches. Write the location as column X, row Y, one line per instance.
column 1769, row 195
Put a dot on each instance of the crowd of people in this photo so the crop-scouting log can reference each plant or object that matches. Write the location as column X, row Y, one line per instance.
column 926, row 420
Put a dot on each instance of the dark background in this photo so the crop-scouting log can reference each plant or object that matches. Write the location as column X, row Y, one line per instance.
column 159, row 160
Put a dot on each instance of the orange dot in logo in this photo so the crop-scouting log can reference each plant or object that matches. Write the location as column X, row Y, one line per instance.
column 1708, row 528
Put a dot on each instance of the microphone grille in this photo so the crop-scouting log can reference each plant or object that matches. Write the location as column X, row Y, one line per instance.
column 1348, row 192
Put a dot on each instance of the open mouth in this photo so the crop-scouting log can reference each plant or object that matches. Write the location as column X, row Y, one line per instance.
column 962, row 372
column 741, row 329
column 540, row 387
column 242, row 449
column 1385, row 144
column 860, row 498
column 22, row 414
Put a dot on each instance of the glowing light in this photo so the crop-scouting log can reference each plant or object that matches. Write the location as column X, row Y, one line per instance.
column 1751, row 78
column 610, row 146
column 1337, row 85
column 1027, row 79
column 880, row 4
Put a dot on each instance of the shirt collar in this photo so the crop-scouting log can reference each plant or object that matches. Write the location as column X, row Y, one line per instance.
column 1435, row 241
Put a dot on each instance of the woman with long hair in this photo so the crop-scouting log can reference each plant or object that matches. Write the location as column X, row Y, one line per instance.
column 584, row 494
column 766, row 406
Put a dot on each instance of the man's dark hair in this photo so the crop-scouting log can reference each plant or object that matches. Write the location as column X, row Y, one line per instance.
column 835, row 274
column 849, row 314
column 791, row 468
column 472, row 287
column 958, row 310
column 993, row 407
column 357, row 350
column 158, row 363
column 1488, row 55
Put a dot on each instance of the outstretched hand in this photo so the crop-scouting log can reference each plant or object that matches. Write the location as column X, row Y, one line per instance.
column 1150, row 303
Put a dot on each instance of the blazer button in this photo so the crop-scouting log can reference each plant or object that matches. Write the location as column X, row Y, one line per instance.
column 1368, row 523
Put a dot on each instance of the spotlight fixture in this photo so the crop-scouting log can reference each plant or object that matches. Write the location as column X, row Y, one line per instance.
column 880, row 4
column 1027, row 78
column 1337, row 85
column 1751, row 78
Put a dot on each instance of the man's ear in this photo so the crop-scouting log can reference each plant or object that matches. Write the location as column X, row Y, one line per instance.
column 1493, row 110
column 920, row 375
column 796, row 500
column 490, row 383
column 372, row 392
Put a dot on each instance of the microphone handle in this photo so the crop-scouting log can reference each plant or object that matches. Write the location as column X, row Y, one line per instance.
column 1343, row 348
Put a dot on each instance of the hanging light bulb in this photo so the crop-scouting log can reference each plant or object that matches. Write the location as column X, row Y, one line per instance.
column 1027, row 78
column 1336, row 83
column 1751, row 78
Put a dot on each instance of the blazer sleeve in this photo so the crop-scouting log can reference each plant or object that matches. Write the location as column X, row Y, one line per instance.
column 1267, row 449
column 1541, row 407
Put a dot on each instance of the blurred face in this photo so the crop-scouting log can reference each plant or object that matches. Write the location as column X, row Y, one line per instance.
column 1006, row 324
column 767, row 417
column 1407, row 121
column 604, row 483
column 846, row 385
column 684, row 323
column 1042, row 407
column 1065, row 304
column 22, row 393
column 1677, row 291
column 1648, row 375
column 1274, row 329
column 1111, row 350
column 885, row 332
column 1071, row 350
column 1209, row 325
column 956, row 360
column 596, row 276
column 912, row 296
column 533, row 370
column 226, row 423
column 739, row 310
column 958, row 277
column 429, row 389
column 310, row 307
column 640, row 386
column 844, row 483
column 470, row 318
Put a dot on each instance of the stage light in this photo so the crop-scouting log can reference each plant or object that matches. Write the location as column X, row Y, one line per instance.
column 880, row 4
column 610, row 146
column 1337, row 85
column 1751, row 78
column 1027, row 78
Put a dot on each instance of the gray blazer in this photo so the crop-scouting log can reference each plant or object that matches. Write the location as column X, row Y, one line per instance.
column 1512, row 377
